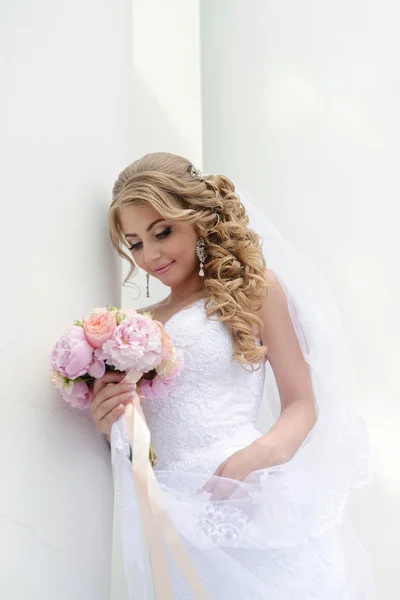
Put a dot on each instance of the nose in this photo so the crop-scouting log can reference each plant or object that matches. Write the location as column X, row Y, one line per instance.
column 151, row 253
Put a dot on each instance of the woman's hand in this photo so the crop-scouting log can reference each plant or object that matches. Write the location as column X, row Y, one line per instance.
column 110, row 397
column 237, row 467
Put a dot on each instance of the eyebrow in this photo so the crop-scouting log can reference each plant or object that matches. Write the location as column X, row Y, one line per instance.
column 148, row 228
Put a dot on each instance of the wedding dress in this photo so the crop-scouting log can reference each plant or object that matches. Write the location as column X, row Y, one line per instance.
column 282, row 533
column 271, row 541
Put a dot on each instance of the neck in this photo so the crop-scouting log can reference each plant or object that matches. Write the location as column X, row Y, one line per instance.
column 189, row 289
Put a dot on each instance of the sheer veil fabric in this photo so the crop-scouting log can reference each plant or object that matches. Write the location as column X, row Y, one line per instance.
column 282, row 534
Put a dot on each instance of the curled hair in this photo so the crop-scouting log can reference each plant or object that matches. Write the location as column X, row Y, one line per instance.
column 234, row 281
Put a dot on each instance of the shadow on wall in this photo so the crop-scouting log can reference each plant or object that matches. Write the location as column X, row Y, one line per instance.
column 152, row 130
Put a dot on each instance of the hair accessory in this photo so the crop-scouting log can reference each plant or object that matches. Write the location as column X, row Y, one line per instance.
column 194, row 171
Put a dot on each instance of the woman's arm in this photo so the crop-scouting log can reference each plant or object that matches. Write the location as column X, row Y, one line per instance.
column 292, row 374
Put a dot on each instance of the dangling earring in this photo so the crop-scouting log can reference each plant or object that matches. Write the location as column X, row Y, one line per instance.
column 147, row 285
column 201, row 254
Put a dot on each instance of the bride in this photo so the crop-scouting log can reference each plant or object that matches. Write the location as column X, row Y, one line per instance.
column 260, row 515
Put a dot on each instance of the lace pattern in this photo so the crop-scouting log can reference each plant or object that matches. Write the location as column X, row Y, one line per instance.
column 197, row 420
column 276, row 536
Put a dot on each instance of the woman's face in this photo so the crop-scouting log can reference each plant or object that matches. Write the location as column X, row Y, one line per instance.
column 165, row 249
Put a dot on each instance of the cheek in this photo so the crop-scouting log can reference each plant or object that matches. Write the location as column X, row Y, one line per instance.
column 184, row 250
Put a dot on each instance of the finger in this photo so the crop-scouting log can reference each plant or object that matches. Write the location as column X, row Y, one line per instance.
column 111, row 376
column 200, row 490
column 110, row 419
column 218, row 488
column 108, row 377
column 108, row 391
column 223, row 489
column 209, row 485
column 108, row 405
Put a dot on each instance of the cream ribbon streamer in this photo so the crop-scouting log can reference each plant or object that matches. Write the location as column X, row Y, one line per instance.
column 157, row 524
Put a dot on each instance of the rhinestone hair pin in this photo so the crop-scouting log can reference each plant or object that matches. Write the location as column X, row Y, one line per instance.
column 194, row 171
column 197, row 173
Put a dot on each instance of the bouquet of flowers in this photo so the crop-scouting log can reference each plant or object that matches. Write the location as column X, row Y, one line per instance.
column 111, row 338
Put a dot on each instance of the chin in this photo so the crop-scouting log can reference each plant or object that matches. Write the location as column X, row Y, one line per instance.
column 172, row 280
column 167, row 278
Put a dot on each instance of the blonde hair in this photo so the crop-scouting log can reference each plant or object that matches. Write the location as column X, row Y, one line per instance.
column 234, row 281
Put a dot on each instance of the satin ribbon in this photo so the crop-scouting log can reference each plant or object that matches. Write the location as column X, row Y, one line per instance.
column 159, row 530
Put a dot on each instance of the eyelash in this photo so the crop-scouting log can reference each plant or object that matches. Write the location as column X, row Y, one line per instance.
column 161, row 235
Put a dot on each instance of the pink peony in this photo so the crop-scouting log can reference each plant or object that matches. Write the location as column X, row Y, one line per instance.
column 80, row 396
column 168, row 347
column 72, row 355
column 124, row 313
column 99, row 326
column 135, row 344
column 167, row 368
column 97, row 368
column 158, row 387
column 76, row 393
column 170, row 361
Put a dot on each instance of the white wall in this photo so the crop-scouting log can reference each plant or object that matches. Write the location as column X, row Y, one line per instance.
column 301, row 105
column 165, row 103
column 64, row 109
column 165, row 96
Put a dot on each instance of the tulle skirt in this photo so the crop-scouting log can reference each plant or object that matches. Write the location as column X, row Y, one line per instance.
column 274, row 536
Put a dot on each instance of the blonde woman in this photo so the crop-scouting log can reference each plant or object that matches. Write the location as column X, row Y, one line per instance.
column 260, row 514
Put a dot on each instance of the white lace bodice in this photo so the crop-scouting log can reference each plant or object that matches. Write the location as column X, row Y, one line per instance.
column 212, row 407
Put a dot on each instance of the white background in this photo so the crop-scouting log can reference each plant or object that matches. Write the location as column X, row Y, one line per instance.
column 165, row 97
column 64, row 109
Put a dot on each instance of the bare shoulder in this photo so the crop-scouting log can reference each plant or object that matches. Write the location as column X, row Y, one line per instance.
column 272, row 279
column 274, row 312
column 152, row 308
column 273, row 294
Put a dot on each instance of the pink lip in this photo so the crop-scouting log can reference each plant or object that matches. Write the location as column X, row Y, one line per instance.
column 164, row 268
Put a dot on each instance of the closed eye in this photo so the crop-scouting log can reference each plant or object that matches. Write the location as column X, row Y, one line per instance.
column 161, row 235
